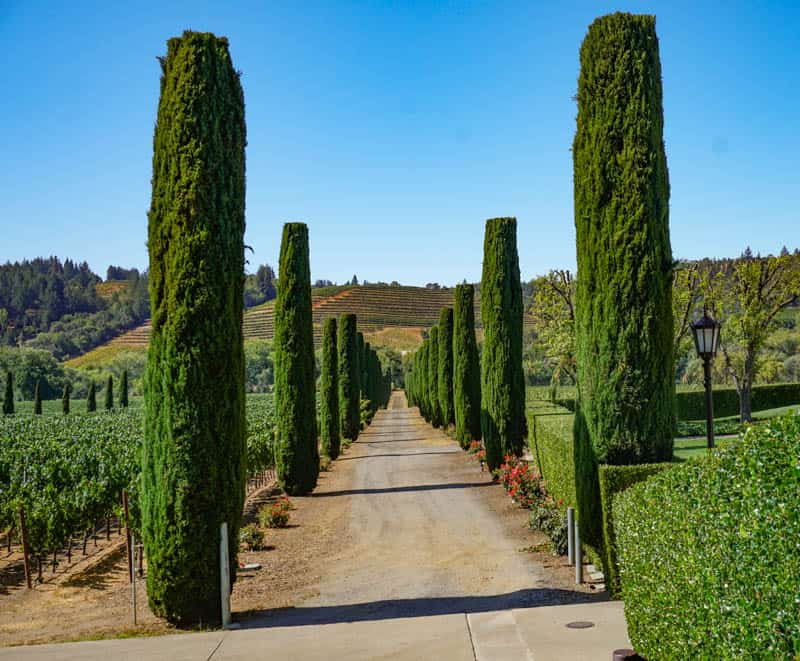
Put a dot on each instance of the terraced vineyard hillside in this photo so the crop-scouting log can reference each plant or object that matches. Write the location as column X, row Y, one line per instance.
column 388, row 316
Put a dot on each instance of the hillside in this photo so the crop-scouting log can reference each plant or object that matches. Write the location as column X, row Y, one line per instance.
column 388, row 316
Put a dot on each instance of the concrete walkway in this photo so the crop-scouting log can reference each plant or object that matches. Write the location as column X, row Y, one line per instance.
column 538, row 634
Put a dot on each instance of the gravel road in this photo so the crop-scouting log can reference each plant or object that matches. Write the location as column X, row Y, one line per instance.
column 426, row 533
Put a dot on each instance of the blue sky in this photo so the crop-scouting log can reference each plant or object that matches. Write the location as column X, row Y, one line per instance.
column 394, row 129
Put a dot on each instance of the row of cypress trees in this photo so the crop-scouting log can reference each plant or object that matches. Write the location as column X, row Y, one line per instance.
column 91, row 398
column 445, row 379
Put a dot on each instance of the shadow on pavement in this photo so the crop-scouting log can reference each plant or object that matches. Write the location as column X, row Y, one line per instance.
column 398, row 608
column 415, row 487
column 401, row 454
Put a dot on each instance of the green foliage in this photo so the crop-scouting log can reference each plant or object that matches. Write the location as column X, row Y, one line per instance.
column 553, row 311
column 259, row 365
column 37, row 400
column 123, row 390
column 65, row 398
column 252, row 536
column 551, row 445
column 691, row 405
column 433, row 378
column 349, row 386
column 623, row 301
column 109, row 393
column 32, row 366
column 91, row 398
column 502, row 380
column 194, row 451
column 466, row 368
column 8, row 397
column 708, row 556
column 329, row 391
column 65, row 472
column 297, row 455
column 445, row 366
column 748, row 300
column 613, row 481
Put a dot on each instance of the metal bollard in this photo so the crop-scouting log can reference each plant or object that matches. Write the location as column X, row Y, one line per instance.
column 571, row 535
column 578, row 555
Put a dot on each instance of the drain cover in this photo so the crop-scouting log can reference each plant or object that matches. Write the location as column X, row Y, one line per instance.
column 580, row 625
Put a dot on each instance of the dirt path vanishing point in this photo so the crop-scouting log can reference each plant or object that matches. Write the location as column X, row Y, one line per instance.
column 403, row 524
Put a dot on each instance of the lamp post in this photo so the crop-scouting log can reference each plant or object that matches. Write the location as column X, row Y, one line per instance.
column 706, row 342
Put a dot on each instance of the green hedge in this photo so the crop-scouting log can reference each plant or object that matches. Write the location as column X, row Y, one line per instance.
column 613, row 481
column 691, row 404
column 550, row 441
column 708, row 552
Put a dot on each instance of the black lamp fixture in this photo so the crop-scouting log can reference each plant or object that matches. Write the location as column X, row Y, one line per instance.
column 706, row 332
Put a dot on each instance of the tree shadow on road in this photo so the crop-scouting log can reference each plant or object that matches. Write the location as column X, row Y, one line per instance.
column 414, row 487
column 400, row 454
column 400, row 608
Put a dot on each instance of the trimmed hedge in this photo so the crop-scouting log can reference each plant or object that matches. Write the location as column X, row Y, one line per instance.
column 708, row 552
column 613, row 481
column 691, row 405
column 551, row 445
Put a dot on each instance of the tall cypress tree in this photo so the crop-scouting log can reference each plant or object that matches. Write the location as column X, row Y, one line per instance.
column 445, row 364
column 8, row 398
column 433, row 378
column 349, row 387
column 109, row 400
column 329, row 391
column 123, row 390
column 624, row 324
column 37, row 398
column 193, row 454
column 91, row 398
column 297, row 453
column 466, row 368
column 65, row 398
column 502, row 381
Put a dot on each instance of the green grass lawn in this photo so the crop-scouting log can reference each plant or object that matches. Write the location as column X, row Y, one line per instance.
column 726, row 429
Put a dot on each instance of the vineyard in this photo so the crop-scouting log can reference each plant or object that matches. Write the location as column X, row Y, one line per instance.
column 380, row 310
column 66, row 474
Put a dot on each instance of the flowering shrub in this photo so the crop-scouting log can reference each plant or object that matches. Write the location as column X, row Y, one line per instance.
column 475, row 446
column 524, row 485
column 275, row 515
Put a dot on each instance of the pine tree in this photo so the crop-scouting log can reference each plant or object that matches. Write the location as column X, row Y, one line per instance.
column 297, row 453
column 123, row 390
column 37, row 398
column 109, row 395
column 8, row 399
column 433, row 378
column 65, row 399
column 91, row 398
column 503, row 423
column 624, row 323
column 329, row 391
column 445, row 364
column 466, row 368
column 193, row 454
column 349, row 386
